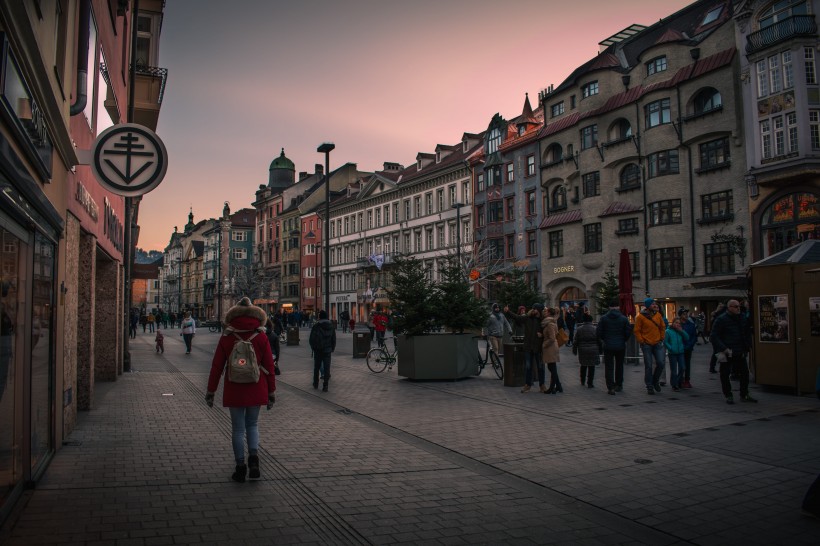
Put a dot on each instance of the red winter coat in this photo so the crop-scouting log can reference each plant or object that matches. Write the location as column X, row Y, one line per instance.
column 241, row 395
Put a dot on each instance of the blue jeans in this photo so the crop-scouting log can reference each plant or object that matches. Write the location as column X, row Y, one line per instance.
column 653, row 355
column 244, row 422
column 677, row 368
column 534, row 358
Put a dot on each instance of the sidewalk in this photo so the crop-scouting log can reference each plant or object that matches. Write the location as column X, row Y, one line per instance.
column 382, row 460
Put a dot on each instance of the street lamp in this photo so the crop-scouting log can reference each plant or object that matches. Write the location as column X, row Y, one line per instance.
column 458, row 206
column 179, row 293
column 326, row 148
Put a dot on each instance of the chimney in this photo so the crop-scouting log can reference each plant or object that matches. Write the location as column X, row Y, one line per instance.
column 303, row 175
column 320, row 169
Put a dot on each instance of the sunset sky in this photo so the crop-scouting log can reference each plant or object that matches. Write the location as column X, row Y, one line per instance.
column 382, row 79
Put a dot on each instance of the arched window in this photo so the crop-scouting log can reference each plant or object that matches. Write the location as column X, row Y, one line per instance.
column 630, row 177
column 559, row 197
column 706, row 100
column 621, row 129
column 554, row 153
column 781, row 10
column 788, row 221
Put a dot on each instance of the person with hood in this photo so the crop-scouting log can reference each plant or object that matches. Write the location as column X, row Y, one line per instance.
column 497, row 324
column 614, row 331
column 531, row 322
column 650, row 329
column 323, row 342
column 588, row 348
column 247, row 322
column 549, row 348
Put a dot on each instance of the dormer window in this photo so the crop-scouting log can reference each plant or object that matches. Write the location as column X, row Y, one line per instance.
column 464, row 146
column 438, row 157
column 418, row 165
column 658, row 64
column 712, row 16
column 589, row 89
column 493, row 141
column 522, row 129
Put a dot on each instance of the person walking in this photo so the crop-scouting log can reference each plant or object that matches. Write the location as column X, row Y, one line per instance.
column 151, row 320
column 730, row 338
column 344, row 317
column 549, row 349
column 614, row 331
column 721, row 309
column 570, row 323
column 188, row 326
column 650, row 330
column 675, row 340
column 691, row 328
column 132, row 331
column 323, row 342
column 380, row 325
column 244, row 400
column 588, row 348
column 273, row 341
column 531, row 323
column 497, row 324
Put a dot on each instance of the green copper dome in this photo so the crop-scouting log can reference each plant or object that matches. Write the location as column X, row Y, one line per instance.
column 282, row 162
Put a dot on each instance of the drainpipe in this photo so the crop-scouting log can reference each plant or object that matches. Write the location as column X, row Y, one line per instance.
column 82, row 58
column 690, row 164
column 643, row 192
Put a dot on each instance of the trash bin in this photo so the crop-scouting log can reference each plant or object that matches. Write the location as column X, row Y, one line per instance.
column 293, row 335
column 514, row 365
column 361, row 340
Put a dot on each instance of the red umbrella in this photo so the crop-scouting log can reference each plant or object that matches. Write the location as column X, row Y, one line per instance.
column 625, row 284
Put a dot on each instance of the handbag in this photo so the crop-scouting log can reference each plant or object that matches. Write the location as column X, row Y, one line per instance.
column 561, row 337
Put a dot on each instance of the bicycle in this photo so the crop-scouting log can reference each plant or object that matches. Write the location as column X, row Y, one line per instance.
column 491, row 357
column 381, row 358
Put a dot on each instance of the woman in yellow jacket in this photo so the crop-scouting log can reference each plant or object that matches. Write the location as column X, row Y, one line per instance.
column 549, row 348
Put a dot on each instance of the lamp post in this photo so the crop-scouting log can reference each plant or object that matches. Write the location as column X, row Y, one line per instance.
column 326, row 148
column 179, row 293
column 458, row 206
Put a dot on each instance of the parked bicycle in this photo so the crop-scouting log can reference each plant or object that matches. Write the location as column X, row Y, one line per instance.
column 491, row 357
column 381, row 358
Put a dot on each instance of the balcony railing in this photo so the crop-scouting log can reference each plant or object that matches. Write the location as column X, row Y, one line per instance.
column 797, row 25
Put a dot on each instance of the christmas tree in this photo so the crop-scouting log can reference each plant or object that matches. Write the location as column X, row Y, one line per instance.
column 608, row 291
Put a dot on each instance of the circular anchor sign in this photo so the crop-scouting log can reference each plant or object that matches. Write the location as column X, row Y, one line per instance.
column 129, row 159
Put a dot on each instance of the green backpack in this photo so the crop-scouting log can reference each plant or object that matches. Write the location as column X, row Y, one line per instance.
column 242, row 364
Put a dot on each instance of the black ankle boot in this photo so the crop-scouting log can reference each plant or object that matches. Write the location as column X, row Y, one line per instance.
column 239, row 473
column 559, row 388
column 253, row 467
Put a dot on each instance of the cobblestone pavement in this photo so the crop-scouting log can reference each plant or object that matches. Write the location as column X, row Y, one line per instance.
column 382, row 460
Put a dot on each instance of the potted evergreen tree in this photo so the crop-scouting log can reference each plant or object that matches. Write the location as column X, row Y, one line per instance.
column 422, row 309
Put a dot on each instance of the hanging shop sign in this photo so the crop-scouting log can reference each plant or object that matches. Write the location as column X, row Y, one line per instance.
column 129, row 159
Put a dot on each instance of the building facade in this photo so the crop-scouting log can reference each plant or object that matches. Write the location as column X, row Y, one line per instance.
column 65, row 76
column 643, row 149
column 778, row 48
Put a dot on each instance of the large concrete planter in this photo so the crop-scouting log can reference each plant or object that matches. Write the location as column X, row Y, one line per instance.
column 437, row 356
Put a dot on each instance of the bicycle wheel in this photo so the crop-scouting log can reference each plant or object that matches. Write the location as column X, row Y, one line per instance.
column 377, row 359
column 480, row 365
column 497, row 367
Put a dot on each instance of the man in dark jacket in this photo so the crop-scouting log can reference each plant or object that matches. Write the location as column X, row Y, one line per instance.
column 730, row 337
column 532, row 343
column 323, row 342
column 613, row 331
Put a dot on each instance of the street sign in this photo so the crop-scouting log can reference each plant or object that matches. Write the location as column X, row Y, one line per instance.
column 129, row 159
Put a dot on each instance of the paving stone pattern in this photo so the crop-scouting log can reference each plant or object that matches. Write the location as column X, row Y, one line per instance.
column 383, row 460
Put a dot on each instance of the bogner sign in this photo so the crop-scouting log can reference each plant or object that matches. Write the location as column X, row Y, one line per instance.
column 129, row 159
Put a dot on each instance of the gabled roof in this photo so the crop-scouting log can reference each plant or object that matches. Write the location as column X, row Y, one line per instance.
column 243, row 218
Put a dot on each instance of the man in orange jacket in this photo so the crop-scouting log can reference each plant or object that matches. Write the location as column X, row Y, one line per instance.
column 650, row 330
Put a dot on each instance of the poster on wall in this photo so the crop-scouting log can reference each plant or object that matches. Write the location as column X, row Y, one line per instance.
column 814, row 316
column 773, row 314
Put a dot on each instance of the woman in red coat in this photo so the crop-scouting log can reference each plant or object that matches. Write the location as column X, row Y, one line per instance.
column 244, row 399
